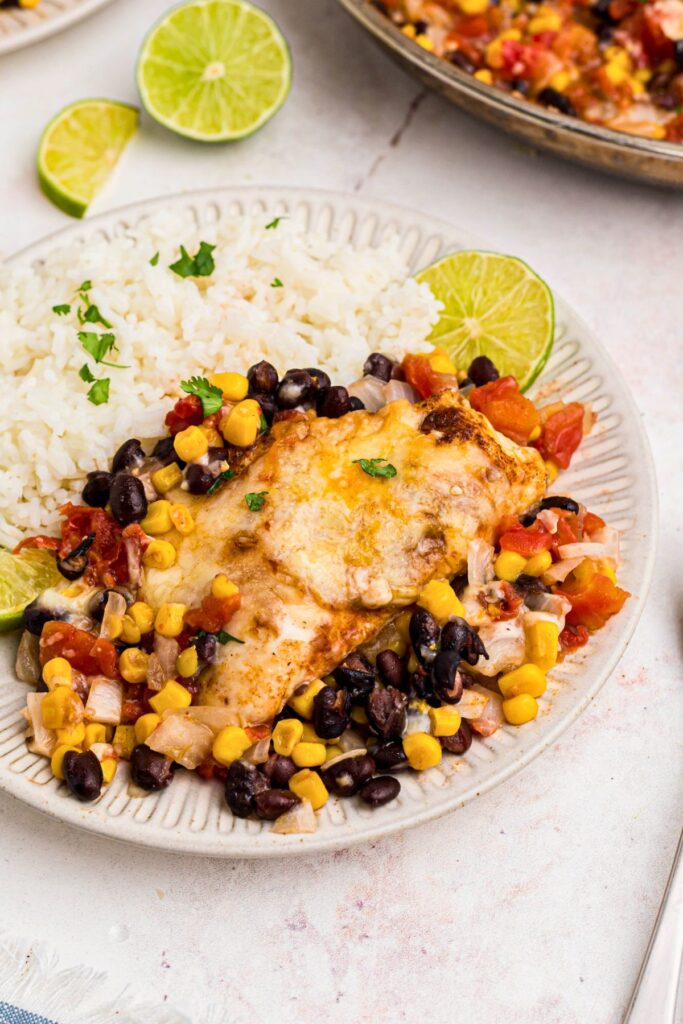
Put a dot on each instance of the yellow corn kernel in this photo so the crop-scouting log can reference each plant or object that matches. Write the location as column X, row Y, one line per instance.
column 124, row 741
column 108, row 766
column 471, row 7
column 130, row 631
column 535, row 434
column 583, row 573
column 616, row 73
column 309, row 755
column 408, row 30
column 333, row 751
column 62, row 708
column 527, row 680
column 222, row 587
column 402, row 624
column 145, row 726
column 509, row 565
column 57, row 672
column 142, row 615
column 484, row 75
column 286, row 734
column 159, row 554
column 444, row 721
column 494, row 50
column 552, row 470
column 187, row 662
column 605, row 567
column 439, row 598
column 440, row 363
column 96, row 733
column 190, row 444
column 422, row 750
column 545, row 21
column 158, row 518
column 242, row 424
column 303, row 702
column 521, row 709
column 617, row 55
column 358, row 715
column 542, row 640
column 213, row 438
column 309, row 735
column 234, row 386
column 133, row 665
column 28, row 4
column 538, row 564
column 181, row 517
column 230, row 744
column 643, row 75
column 164, row 480
column 308, row 785
column 169, row 619
column 172, row 696
column 413, row 663
column 560, row 81
column 73, row 736
column 425, row 42
column 57, row 759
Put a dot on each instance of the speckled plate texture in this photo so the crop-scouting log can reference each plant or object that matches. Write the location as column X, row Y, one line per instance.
column 612, row 473
column 21, row 26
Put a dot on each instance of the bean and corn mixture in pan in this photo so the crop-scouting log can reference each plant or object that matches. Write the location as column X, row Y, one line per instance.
column 617, row 63
column 115, row 680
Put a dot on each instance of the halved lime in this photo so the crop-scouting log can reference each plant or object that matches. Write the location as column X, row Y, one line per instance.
column 22, row 578
column 79, row 150
column 214, row 70
column 495, row 306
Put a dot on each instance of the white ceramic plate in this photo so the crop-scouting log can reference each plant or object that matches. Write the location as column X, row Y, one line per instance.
column 612, row 473
column 22, row 26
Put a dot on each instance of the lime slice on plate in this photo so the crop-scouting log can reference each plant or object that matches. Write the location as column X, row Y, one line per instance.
column 79, row 149
column 22, row 578
column 214, row 70
column 494, row 306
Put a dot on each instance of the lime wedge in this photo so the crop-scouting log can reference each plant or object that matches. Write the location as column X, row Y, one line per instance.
column 79, row 150
column 214, row 70
column 494, row 306
column 22, row 578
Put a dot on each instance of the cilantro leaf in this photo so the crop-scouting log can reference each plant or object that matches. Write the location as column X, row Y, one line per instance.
column 373, row 467
column 61, row 310
column 154, row 260
column 92, row 315
column 85, row 374
column 200, row 265
column 276, row 283
column 274, row 223
column 211, row 396
column 263, row 422
column 85, row 287
column 255, row 501
column 225, row 638
column 96, row 345
column 99, row 392
column 222, row 478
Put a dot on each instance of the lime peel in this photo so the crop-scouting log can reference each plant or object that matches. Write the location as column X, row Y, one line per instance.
column 22, row 578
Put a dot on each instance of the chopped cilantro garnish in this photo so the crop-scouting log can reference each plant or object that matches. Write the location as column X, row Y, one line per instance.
column 264, row 422
column 255, row 501
column 154, row 260
column 85, row 287
column 274, row 223
column 226, row 638
column 222, row 478
column 61, row 310
column 92, row 315
column 85, row 374
column 96, row 345
column 211, row 396
column 200, row 265
column 99, row 392
column 276, row 283
column 373, row 467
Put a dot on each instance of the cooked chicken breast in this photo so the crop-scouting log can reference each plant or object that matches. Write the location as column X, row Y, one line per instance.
column 335, row 553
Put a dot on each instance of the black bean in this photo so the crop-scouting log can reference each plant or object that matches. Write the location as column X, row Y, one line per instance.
column 482, row 371
column 73, row 565
column 552, row 98
column 420, row 684
column 557, row 501
column 520, row 85
column 346, row 776
column 279, row 769
column 243, row 784
column 446, row 679
column 526, row 585
column 149, row 769
column 386, row 710
column 271, row 803
column 219, row 453
column 266, row 404
column 83, row 774
column 678, row 53
column 377, row 365
column 356, row 676
column 460, row 742
column 333, row 402
column 164, row 451
column 390, row 668
column 319, row 377
column 295, row 388
column 331, row 712
column 458, row 636
column 96, row 491
column 465, row 383
column 206, row 647
column 199, row 478
column 128, row 501
column 458, row 583
column 128, row 456
column 36, row 615
column 262, row 378
column 424, row 634
column 458, row 58
column 355, row 404
column 600, row 8
column 389, row 755
column 381, row 790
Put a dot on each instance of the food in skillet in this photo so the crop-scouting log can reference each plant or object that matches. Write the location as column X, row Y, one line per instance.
column 617, row 63
column 305, row 588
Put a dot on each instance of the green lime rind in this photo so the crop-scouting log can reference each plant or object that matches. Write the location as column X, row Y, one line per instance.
column 22, row 578
column 494, row 305
column 79, row 149
column 214, row 70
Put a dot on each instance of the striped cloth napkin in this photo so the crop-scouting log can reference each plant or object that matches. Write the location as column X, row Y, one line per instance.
column 13, row 1015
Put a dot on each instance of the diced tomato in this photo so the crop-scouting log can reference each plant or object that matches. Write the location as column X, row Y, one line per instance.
column 258, row 732
column 561, row 434
column 591, row 523
column 420, row 375
column 187, row 412
column 86, row 653
column 107, row 559
column 509, row 604
column 215, row 612
column 506, row 408
column 46, row 543
column 573, row 637
column 526, row 540
column 131, row 710
column 568, row 530
column 594, row 603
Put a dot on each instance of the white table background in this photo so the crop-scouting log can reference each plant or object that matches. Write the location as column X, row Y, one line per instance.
column 533, row 904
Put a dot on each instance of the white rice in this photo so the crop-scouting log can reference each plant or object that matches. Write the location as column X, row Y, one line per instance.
column 337, row 305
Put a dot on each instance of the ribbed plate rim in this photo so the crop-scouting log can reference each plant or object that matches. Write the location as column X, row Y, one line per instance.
column 59, row 17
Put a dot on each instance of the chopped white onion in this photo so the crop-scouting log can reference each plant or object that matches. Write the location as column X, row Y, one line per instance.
column 491, row 718
column 258, row 753
column 556, row 605
column 167, row 650
column 155, row 673
column 356, row 752
column 610, row 537
column 350, row 739
column 301, row 818
column 471, row 704
column 549, row 519
column 505, row 645
column 114, row 610
column 397, row 389
column 585, row 549
column 479, row 563
column 559, row 571
column 43, row 740
column 27, row 664
column 215, row 718
column 133, row 560
column 104, row 701
column 182, row 740
column 370, row 390
column 102, row 750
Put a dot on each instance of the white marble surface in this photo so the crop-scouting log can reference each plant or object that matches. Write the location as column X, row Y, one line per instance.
column 533, row 904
